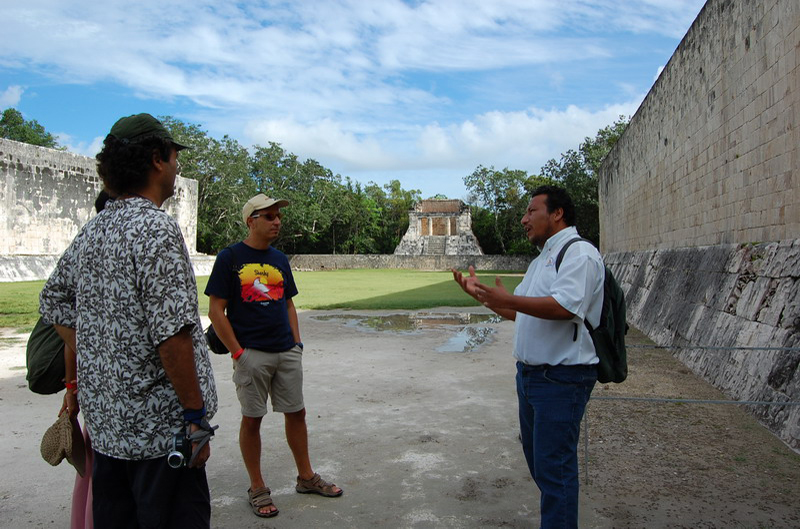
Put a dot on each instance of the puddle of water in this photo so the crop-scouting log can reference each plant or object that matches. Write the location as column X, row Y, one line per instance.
column 410, row 322
column 393, row 322
column 465, row 340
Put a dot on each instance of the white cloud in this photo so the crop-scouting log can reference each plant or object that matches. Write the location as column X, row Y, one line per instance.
column 322, row 140
column 89, row 149
column 227, row 54
column 11, row 96
column 663, row 17
column 375, row 86
column 519, row 140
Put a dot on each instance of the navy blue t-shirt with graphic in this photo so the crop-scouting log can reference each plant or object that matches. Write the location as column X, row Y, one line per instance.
column 257, row 284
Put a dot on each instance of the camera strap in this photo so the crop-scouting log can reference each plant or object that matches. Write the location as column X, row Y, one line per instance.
column 201, row 436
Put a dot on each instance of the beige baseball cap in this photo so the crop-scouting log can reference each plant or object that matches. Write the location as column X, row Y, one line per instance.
column 260, row 201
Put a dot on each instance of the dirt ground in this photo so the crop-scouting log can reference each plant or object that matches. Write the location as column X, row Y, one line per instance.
column 414, row 415
column 684, row 465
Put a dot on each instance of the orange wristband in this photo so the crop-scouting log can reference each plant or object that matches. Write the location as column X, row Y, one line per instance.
column 237, row 354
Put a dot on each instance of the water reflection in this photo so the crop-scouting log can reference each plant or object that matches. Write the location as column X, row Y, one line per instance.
column 410, row 322
column 465, row 340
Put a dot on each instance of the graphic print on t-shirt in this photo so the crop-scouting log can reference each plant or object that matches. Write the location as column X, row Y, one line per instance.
column 260, row 282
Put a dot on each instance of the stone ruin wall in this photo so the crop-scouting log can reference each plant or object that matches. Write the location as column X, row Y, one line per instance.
column 700, row 205
column 47, row 195
column 416, row 262
column 439, row 227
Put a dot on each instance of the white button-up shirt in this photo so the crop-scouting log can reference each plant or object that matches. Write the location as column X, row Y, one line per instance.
column 578, row 287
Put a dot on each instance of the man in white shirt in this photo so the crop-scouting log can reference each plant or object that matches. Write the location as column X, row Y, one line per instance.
column 556, row 360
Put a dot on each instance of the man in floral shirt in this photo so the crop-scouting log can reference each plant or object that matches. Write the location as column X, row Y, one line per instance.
column 124, row 297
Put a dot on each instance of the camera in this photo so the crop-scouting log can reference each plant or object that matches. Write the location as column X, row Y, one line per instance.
column 181, row 451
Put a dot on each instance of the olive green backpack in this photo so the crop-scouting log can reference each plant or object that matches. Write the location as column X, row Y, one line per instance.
column 609, row 336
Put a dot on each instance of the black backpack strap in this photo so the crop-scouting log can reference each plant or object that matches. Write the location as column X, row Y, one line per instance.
column 563, row 250
column 560, row 258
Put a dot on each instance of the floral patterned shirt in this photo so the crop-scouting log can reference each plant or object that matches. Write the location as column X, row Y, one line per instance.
column 126, row 284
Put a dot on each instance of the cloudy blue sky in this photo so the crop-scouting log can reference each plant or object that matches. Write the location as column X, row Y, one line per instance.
column 422, row 91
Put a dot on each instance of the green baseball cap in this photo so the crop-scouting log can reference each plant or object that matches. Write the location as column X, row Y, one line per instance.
column 139, row 127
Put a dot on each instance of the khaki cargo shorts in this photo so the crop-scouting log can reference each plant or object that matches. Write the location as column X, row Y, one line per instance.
column 260, row 375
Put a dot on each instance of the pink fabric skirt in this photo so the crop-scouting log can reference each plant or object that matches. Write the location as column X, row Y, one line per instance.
column 82, row 493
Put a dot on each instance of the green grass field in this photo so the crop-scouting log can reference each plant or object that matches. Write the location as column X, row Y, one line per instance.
column 19, row 304
column 334, row 289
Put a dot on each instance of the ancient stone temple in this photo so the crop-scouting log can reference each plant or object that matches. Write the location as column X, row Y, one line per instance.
column 439, row 227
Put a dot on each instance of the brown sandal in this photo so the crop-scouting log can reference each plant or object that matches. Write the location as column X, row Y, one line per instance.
column 259, row 499
column 317, row 485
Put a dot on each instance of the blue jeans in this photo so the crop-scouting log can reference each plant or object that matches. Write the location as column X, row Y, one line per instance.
column 552, row 400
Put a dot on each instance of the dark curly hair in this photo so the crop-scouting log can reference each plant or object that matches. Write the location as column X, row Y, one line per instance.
column 124, row 166
column 557, row 197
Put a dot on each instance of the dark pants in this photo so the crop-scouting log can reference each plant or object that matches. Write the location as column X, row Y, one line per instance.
column 552, row 400
column 148, row 494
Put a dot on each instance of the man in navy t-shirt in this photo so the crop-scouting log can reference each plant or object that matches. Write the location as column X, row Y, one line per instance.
column 251, row 289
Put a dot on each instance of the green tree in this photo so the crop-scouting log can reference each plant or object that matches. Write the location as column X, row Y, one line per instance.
column 499, row 198
column 577, row 172
column 570, row 172
column 501, row 194
column 398, row 203
column 222, row 170
column 312, row 190
column 328, row 215
column 325, row 215
column 14, row 127
column 483, row 227
column 595, row 150
column 359, row 219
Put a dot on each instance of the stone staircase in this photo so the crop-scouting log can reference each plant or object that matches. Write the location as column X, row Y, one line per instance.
column 434, row 245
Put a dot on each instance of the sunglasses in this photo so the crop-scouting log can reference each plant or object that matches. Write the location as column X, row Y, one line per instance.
column 269, row 216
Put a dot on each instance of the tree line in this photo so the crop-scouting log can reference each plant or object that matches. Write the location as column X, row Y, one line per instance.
column 499, row 198
column 331, row 214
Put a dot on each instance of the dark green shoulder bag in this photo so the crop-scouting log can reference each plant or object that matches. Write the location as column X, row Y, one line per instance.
column 45, row 360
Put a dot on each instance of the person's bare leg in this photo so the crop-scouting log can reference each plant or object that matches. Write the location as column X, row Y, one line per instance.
column 297, row 437
column 250, row 445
